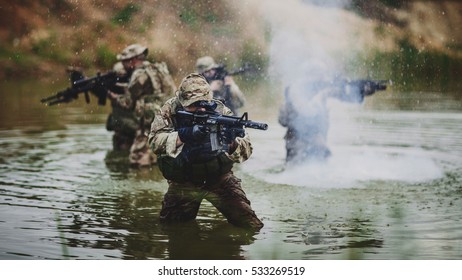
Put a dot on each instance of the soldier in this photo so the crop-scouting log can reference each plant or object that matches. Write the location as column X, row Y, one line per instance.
column 306, row 135
column 149, row 85
column 121, row 120
column 223, row 88
column 195, row 172
column 306, row 115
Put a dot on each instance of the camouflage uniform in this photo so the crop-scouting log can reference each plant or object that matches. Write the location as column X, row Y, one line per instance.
column 306, row 137
column 306, row 115
column 150, row 84
column 191, row 181
column 121, row 120
column 230, row 94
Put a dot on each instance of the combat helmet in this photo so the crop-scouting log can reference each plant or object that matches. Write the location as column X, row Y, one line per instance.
column 194, row 87
column 205, row 63
column 132, row 51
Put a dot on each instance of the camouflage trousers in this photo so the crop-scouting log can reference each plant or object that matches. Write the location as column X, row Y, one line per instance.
column 182, row 202
column 140, row 153
column 121, row 141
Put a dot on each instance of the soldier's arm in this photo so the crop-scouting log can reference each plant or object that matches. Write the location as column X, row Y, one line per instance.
column 139, row 84
column 164, row 80
column 121, row 100
column 163, row 139
column 237, row 96
column 285, row 113
column 243, row 149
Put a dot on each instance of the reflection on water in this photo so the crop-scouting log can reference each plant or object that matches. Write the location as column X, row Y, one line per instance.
column 391, row 191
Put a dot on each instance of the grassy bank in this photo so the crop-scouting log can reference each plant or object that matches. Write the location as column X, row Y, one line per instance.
column 411, row 69
column 46, row 37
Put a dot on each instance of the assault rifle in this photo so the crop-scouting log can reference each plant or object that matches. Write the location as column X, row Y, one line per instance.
column 368, row 87
column 223, row 129
column 97, row 85
column 221, row 71
column 352, row 90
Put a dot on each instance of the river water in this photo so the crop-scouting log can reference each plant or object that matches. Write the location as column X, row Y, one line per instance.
column 391, row 190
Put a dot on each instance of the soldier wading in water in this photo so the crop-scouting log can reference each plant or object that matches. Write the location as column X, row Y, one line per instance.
column 194, row 172
column 149, row 86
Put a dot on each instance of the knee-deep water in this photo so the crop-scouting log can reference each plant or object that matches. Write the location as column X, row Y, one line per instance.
column 392, row 188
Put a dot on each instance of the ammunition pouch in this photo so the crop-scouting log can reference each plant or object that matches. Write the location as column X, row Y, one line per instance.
column 171, row 168
column 124, row 125
column 110, row 123
column 209, row 172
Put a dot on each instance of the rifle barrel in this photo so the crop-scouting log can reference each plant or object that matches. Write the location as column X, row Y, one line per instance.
column 256, row 125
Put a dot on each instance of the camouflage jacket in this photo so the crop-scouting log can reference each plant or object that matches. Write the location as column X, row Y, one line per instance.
column 149, row 87
column 163, row 136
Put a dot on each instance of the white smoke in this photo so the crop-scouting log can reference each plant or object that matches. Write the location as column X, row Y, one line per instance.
column 308, row 42
column 311, row 40
column 304, row 40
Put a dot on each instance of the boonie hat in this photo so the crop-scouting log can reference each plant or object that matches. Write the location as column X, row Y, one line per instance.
column 205, row 64
column 194, row 87
column 132, row 51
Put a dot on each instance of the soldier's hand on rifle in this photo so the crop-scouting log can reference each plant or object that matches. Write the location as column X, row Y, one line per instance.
column 193, row 133
column 229, row 80
column 229, row 138
column 230, row 134
column 111, row 95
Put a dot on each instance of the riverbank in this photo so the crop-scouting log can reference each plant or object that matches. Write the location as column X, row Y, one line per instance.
column 41, row 38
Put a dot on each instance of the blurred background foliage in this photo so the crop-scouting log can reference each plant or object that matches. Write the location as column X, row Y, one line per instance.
column 40, row 38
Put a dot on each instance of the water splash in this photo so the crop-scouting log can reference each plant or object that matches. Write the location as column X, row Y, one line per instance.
column 391, row 148
column 349, row 169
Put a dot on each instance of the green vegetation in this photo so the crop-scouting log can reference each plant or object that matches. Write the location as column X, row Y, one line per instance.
column 393, row 3
column 50, row 48
column 410, row 69
column 423, row 69
column 200, row 13
column 104, row 56
column 195, row 19
column 389, row 3
column 256, row 57
column 126, row 14
column 71, row 36
column 14, row 62
column 190, row 17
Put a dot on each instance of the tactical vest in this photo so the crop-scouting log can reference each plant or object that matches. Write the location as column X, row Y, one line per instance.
column 209, row 172
column 202, row 168
column 160, row 78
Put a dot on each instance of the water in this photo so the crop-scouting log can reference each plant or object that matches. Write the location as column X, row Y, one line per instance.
column 391, row 190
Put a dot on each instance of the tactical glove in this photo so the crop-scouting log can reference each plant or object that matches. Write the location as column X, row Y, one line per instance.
column 229, row 134
column 194, row 133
